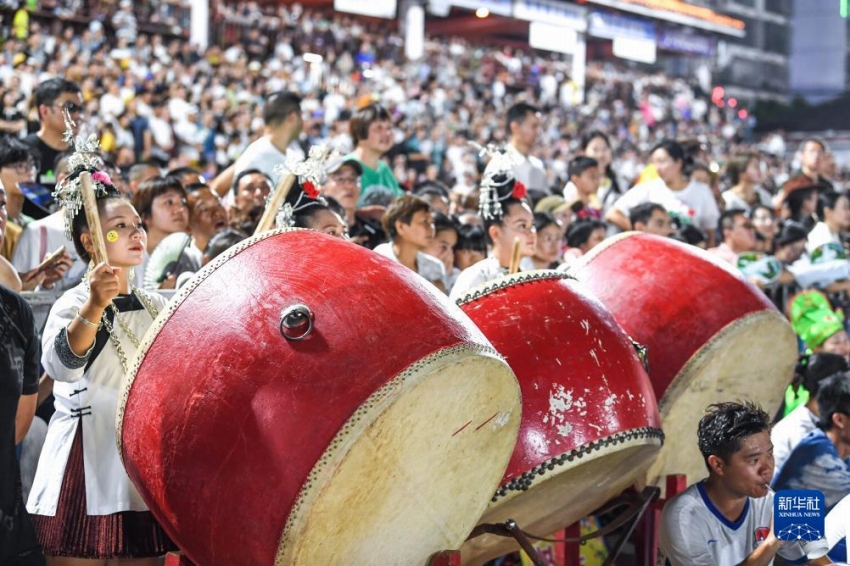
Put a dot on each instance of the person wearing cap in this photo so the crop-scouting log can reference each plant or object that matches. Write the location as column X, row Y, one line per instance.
column 821, row 329
column 343, row 185
column 558, row 207
column 436, row 194
column 283, row 123
column 819, row 461
column 372, row 135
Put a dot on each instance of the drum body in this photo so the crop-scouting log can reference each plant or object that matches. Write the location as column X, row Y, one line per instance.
column 378, row 438
column 590, row 424
column 711, row 335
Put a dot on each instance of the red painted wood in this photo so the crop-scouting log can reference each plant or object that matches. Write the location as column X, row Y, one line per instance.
column 226, row 418
column 572, row 550
column 568, row 351
column 177, row 559
column 671, row 297
column 646, row 531
column 446, row 558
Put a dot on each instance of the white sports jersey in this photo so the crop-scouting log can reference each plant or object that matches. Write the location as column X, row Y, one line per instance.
column 694, row 532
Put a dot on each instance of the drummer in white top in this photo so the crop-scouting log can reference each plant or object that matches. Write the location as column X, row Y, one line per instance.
column 507, row 218
column 82, row 502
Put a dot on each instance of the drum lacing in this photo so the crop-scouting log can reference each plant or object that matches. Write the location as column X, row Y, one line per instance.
column 508, row 281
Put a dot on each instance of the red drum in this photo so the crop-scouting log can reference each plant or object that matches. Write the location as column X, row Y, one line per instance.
column 307, row 401
column 590, row 424
column 711, row 335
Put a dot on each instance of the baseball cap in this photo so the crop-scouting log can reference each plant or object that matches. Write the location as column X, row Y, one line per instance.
column 333, row 165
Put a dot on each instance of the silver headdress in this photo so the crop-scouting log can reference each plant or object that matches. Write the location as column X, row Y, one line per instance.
column 498, row 173
column 86, row 157
column 311, row 175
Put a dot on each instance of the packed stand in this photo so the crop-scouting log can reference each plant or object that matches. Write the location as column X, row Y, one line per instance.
column 470, row 164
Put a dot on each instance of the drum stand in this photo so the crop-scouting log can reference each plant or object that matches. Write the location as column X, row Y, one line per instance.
column 444, row 558
column 633, row 516
column 636, row 505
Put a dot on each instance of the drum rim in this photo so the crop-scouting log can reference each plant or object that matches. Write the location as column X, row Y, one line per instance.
column 647, row 435
column 505, row 281
column 356, row 424
column 600, row 248
column 165, row 315
column 656, row 471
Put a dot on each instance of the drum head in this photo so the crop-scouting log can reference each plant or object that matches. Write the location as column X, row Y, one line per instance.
column 379, row 437
column 590, row 424
column 711, row 335
column 740, row 364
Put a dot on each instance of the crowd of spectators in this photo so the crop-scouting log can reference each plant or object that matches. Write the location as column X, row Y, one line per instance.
column 193, row 138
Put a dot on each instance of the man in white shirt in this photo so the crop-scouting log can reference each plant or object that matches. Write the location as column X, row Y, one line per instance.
column 283, row 123
column 727, row 518
column 524, row 122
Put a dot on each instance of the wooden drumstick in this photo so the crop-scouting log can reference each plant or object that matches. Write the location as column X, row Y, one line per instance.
column 92, row 218
column 515, row 256
column 277, row 198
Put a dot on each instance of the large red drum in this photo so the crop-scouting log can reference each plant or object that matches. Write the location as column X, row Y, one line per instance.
column 590, row 424
column 711, row 335
column 369, row 425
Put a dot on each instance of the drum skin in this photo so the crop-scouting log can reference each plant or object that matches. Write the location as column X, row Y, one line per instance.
column 711, row 335
column 590, row 425
column 239, row 439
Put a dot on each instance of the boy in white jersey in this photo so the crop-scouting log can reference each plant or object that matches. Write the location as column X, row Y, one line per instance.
column 727, row 519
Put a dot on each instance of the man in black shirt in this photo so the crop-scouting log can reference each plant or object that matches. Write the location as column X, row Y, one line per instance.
column 20, row 353
column 51, row 99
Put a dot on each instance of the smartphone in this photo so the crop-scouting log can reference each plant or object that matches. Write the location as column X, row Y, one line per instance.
column 48, row 262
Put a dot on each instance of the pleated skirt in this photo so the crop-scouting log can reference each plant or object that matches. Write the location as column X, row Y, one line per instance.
column 72, row 532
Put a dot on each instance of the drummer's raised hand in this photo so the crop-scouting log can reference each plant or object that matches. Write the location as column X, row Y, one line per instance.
column 105, row 283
